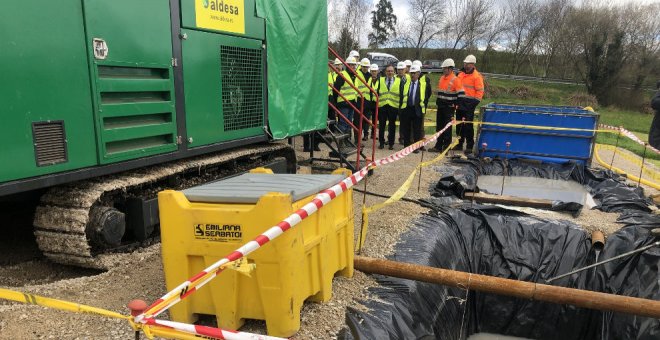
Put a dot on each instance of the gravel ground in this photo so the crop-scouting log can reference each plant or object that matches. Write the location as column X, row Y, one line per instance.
column 323, row 321
column 139, row 274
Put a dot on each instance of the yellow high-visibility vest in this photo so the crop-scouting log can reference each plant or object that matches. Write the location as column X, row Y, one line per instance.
column 346, row 89
column 362, row 87
column 389, row 96
column 332, row 76
column 422, row 94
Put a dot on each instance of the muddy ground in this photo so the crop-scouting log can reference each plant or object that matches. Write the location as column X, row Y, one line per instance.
column 140, row 275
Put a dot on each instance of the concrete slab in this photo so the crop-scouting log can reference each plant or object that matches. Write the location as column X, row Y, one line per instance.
column 537, row 188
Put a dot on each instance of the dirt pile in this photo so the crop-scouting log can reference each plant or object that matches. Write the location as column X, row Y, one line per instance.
column 582, row 99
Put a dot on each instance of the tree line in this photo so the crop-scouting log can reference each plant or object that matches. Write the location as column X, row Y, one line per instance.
column 614, row 49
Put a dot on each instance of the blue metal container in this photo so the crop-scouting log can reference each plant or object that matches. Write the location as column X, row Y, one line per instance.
column 548, row 145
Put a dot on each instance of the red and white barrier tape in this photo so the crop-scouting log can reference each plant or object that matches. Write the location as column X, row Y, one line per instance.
column 209, row 332
column 323, row 198
column 630, row 135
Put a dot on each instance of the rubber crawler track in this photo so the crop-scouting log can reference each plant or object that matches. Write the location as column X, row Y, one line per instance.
column 63, row 213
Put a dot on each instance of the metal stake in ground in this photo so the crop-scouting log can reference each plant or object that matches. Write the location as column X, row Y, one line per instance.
column 505, row 166
column 482, row 152
column 364, row 197
column 459, row 132
column 654, row 244
column 421, row 160
column 641, row 169
column 137, row 307
column 616, row 147
column 364, row 202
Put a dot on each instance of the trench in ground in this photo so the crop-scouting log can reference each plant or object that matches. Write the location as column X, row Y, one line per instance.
column 496, row 241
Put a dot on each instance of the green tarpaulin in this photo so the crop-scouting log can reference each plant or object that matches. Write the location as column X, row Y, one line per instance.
column 297, row 48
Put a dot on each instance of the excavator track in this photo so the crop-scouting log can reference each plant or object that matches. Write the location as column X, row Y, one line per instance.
column 62, row 219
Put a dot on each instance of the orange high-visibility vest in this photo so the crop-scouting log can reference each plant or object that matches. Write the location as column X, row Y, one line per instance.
column 450, row 88
column 473, row 84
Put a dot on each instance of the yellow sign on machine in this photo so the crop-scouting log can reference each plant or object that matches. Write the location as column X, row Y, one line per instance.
column 203, row 224
column 221, row 15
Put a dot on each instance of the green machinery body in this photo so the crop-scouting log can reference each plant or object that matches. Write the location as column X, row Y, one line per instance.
column 94, row 87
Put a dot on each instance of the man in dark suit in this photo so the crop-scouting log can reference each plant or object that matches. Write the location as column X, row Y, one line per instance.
column 414, row 100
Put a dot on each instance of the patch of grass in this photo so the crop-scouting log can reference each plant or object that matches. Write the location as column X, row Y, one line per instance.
column 552, row 94
column 519, row 92
column 631, row 120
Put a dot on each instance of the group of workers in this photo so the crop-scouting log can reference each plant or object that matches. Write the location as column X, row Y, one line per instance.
column 405, row 95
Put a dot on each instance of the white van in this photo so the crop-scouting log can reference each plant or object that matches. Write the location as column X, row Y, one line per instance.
column 382, row 59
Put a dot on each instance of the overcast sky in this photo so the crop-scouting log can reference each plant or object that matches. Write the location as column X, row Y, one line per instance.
column 401, row 6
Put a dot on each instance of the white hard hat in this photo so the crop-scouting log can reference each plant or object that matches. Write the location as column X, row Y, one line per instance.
column 417, row 62
column 351, row 60
column 415, row 68
column 337, row 61
column 365, row 62
column 374, row 67
column 354, row 53
column 470, row 59
column 408, row 63
column 401, row 65
column 448, row 63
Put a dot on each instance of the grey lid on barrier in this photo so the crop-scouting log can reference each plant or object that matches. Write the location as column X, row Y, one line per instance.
column 248, row 188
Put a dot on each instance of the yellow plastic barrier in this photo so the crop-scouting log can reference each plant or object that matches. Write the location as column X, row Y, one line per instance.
column 649, row 173
column 539, row 127
column 274, row 281
column 622, row 172
column 398, row 194
column 149, row 330
column 57, row 304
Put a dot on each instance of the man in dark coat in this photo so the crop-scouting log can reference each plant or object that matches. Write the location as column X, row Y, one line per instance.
column 654, row 134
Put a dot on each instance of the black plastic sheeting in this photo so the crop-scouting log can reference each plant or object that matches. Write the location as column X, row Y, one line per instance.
column 504, row 243
column 499, row 242
column 607, row 188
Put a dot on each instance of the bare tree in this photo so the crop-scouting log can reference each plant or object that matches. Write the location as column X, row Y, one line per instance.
column 554, row 18
column 469, row 22
column 598, row 35
column 348, row 15
column 424, row 24
column 355, row 19
column 524, row 24
column 335, row 15
column 641, row 25
column 494, row 32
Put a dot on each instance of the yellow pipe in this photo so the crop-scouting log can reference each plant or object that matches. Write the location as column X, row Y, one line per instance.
column 622, row 172
column 648, row 172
